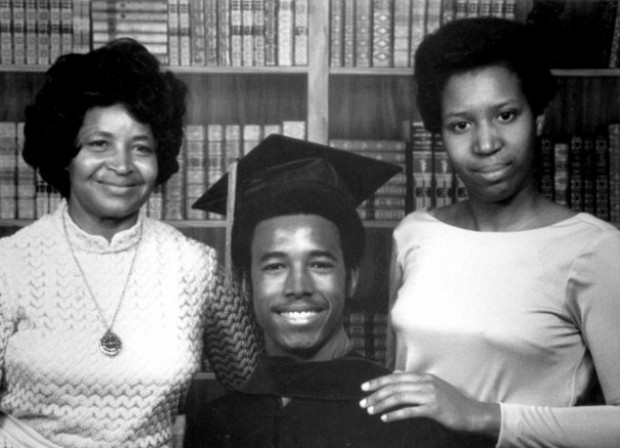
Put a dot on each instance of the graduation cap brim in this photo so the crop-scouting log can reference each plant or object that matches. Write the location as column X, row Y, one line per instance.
column 279, row 162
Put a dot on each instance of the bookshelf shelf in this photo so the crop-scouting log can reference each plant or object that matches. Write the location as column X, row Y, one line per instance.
column 373, row 71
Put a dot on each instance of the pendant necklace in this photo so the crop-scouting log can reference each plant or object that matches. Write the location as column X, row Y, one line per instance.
column 110, row 343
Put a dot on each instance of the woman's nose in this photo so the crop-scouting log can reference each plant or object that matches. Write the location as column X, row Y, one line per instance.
column 488, row 139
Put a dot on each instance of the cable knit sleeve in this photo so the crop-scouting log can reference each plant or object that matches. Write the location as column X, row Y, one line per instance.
column 7, row 315
column 593, row 295
column 231, row 337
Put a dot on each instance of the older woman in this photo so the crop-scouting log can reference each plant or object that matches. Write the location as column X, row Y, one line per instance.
column 102, row 308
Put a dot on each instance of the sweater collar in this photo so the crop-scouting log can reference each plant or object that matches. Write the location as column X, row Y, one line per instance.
column 83, row 241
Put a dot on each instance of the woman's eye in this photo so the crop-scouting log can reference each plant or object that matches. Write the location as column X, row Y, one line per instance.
column 507, row 116
column 144, row 149
column 459, row 126
column 97, row 143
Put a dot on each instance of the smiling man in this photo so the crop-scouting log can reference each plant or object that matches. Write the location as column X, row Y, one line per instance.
column 297, row 246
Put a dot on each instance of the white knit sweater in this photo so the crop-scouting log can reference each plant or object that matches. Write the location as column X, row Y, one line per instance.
column 55, row 378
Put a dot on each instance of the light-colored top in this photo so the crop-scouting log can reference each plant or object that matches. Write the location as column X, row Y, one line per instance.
column 519, row 318
column 54, row 376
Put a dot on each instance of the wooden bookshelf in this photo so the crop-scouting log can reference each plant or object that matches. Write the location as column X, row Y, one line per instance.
column 335, row 103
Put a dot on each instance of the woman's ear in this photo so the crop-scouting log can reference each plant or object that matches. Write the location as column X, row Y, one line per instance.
column 246, row 288
column 540, row 124
column 352, row 279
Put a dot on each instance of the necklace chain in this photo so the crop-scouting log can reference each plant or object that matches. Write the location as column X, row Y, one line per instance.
column 109, row 335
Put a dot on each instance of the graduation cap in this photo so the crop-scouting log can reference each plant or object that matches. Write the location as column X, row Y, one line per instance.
column 286, row 165
column 284, row 175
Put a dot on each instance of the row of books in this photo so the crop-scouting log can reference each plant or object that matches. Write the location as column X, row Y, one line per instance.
column 178, row 32
column 389, row 201
column 368, row 334
column 583, row 171
column 386, row 33
column 36, row 32
column 208, row 150
column 578, row 34
column 207, row 153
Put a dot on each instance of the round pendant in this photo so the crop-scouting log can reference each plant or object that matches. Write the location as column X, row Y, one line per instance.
column 110, row 344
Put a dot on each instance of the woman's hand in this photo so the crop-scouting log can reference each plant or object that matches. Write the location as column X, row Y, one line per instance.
column 404, row 395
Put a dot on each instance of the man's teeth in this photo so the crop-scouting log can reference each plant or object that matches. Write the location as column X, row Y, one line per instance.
column 298, row 314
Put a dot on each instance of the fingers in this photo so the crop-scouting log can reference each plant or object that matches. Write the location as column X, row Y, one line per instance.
column 393, row 378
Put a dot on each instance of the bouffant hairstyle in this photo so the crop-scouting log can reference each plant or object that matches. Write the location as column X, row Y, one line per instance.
column 285, row 202
column 469, row 44
column 121, row 72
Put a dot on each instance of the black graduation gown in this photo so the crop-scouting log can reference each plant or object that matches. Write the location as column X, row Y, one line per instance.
column 323, row 412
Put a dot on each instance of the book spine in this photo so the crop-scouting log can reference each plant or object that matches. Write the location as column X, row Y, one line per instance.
column 251, row 137
column 460, row 9
column 447, row 11
column 247, row 33
column 43, row 32
column 561, row 152
column 485, row 8
column 197, row 33
column 215, row 158
column 545, row 179
column 336, row 30
column 575, row 173
column 86, row 43
column 195, row 169
column 510, row 9
column 294, row 128
column 614, row 172
column 422, row 169
column 402, row 38
column 66, row 26
column 25, row 181
column 602, row 177
column 382, row 33
column 589, row 174
column 6, row 37
column 433, row 15
column 258, row 9
column 8, row 167
column 210, row 14
column 300, row 44
column 55, row 44
column 18, row 18
column 155, row 203
column 443, row 174
column 184, row 33
column 236, row 33
column 271, row 32
column 223, row 29
column 363, row 33
column 174, row 206
column 615, row 40
column 31, row 31
column 173, row 33
column 76, row 26
column 418, row 26
column 285, row 33
column 349, row 33
column 497, row 8
column 233, row 149
column 473, row 8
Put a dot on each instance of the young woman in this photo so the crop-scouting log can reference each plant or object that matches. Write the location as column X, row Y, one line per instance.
column 102, row 309
column 506, row 305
